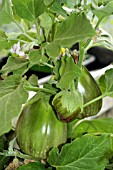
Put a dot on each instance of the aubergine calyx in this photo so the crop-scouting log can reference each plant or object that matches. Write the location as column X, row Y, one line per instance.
column 67, row 104
column 38, row 129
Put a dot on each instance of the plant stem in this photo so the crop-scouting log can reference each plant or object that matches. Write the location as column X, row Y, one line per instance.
column 29, row 37
column 94, row 100
column 98, row 23
column 37, row 30
column 46, row 64
column 23, row 32
column 97, row 98
column 77, row 124
column 81, row 55
column 35, row 89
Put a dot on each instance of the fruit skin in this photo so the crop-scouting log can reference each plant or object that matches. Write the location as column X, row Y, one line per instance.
column 89, row 89
column 68, row 112
column 38, row 129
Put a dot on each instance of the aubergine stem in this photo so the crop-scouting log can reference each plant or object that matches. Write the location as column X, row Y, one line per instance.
column 97, row 98
column 36, row 89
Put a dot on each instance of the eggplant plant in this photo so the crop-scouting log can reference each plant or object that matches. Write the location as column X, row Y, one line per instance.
column 51, row 130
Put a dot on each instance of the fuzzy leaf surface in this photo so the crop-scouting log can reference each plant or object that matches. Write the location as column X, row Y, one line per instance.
column 95, row 126
column 29, row 10
column 12, row 96
column 88, row 152
column 57, row 8
column 6, row 13
column 15, row 65
column 103, row 11
column 69, row 32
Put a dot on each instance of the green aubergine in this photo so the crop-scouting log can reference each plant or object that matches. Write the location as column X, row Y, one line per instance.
column 89, row 90
column 67, row 105
column 38, row 129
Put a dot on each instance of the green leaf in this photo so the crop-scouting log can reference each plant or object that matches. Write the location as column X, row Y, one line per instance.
column 106, row 83
column 9, row 84
column 57, row 8
column 45, row 23
column 6, row 13
column 35, row 56
column 104, row 11
column 68, row 71
column 11, row 101
column 15, row 65
column 69, row 32
column 33, row 80
column 5, row 41
column 45, row 20
column 71, row 4
column 32, row 166
column 29, row 10
column 96, row 126
column 88, row 152
column 47, row 2
column 53, row 49
column 5, row 44
column 103, row 40
column 2, row 34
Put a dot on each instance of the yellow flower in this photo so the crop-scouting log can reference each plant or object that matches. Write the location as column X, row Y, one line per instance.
column 63, row 50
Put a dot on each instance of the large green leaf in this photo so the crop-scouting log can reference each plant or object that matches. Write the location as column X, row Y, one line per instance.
column 5, row 44
column 12, row 96
column 35, row 56
column 15, row 65
column 96, row 126
column 29, row 9
column 69, row 32
column 6, row 13
column 104, row 11
column 88, row 152
column 9, row 84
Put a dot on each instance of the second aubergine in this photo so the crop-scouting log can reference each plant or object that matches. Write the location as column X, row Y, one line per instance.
column 90, row 90
column 87, row 89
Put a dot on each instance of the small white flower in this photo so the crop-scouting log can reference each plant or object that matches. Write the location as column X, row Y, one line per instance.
column 16, row 49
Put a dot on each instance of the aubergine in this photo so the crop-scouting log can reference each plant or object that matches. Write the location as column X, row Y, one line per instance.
column 89, row 90
column 67, row 105
column 38, row 129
